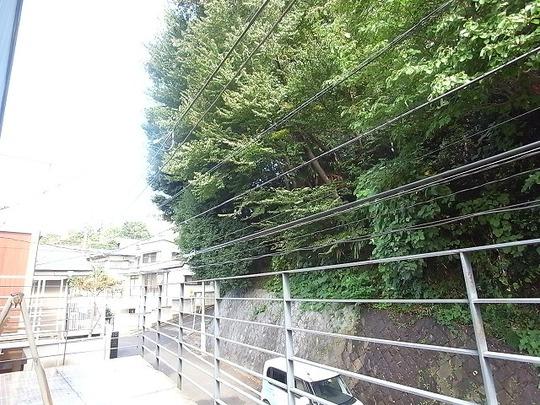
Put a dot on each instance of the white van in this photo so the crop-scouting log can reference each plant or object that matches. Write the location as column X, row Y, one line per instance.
column 314, row 380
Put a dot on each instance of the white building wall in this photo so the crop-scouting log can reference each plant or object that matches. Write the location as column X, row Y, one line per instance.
column 149, row 264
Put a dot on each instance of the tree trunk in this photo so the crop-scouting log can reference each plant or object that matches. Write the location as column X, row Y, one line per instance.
column 96, row 316
column 316, row 165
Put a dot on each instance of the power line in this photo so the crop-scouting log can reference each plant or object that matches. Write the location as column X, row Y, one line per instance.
column 523, row 150
column 347, row 76
column 490, row 128
column 235, row 76
column 227, row 56
column 372, row 130
column 364, row 219
column 444, row 181
column 465, row 174
column 206, row 83
column 509, row 208
column 325, row 90
column 466, row 137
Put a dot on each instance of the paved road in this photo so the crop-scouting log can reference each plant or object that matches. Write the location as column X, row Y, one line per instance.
column 229, row 396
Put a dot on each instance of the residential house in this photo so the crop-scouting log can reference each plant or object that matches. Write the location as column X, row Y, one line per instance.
column 144, row 265
column 54, row 309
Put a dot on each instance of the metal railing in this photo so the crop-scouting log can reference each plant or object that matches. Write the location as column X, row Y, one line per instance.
column 157, row 337
column 58, row 332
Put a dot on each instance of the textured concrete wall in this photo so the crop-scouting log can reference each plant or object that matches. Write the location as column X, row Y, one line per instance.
column 456, row 375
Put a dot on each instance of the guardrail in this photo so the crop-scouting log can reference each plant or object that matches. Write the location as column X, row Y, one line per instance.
column 58, row 331
column 155, row 347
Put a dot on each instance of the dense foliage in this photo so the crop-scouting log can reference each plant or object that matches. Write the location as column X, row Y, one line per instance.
column 317, row 44
column 99, row 238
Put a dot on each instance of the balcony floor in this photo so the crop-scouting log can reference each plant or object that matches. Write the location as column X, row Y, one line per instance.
column 128, row 380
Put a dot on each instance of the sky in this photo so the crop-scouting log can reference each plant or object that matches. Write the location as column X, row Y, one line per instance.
column 72, row 149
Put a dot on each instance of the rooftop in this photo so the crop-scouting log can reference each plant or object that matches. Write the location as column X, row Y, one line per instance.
column 60, row 258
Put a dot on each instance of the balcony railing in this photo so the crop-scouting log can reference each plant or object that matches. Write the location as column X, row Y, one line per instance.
column 157, row 335
column 178, row 337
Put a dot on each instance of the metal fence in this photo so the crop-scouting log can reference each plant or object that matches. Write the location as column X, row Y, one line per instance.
column 159, row 332
column 64, row 329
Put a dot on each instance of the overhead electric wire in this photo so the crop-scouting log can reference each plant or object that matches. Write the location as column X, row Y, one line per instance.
column 315, row 217
column 490, row 128
column 191, row 103
column 347, row 76
column 372, row 130
column 416, row 227
column 225, row 58
column 280, row 214
column 450, row 179
column 84, row 253
column 475, row 171
column 235, row 76
column 206, row 83
column 523, row 150
column 367, row 218
column 327, row 89
column 443, row 196
column 429, row 153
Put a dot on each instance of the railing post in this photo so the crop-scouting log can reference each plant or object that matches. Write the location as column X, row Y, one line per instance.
column 289, row 347
column 59, row 325
column 139, row 310
column 479, row 333
column 203, row 314
column 181, row 305
column 66, row 323
column 41, row 303
column 143, row 325
column 217, row 343
column 168, row 301
column 40, row 371
column 158, row 323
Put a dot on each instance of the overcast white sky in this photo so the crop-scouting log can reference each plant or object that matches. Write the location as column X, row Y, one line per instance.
column 74, row 115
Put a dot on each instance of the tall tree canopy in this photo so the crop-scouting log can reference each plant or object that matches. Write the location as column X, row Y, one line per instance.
column 317, row 44
column 99, row 238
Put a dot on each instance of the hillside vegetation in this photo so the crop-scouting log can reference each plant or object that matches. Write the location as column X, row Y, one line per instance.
column 218, row 149
column 106, row 237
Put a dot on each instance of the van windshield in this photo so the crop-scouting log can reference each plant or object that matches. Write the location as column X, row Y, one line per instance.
column 333, row 390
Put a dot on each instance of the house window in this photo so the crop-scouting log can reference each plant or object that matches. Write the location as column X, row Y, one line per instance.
column 134, row 289
column 150, row 282
column 149, row 257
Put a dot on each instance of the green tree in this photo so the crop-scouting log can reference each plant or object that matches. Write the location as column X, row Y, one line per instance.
column 134, row 230
column 316, row 45
column 93, row 285
column 99, row 238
